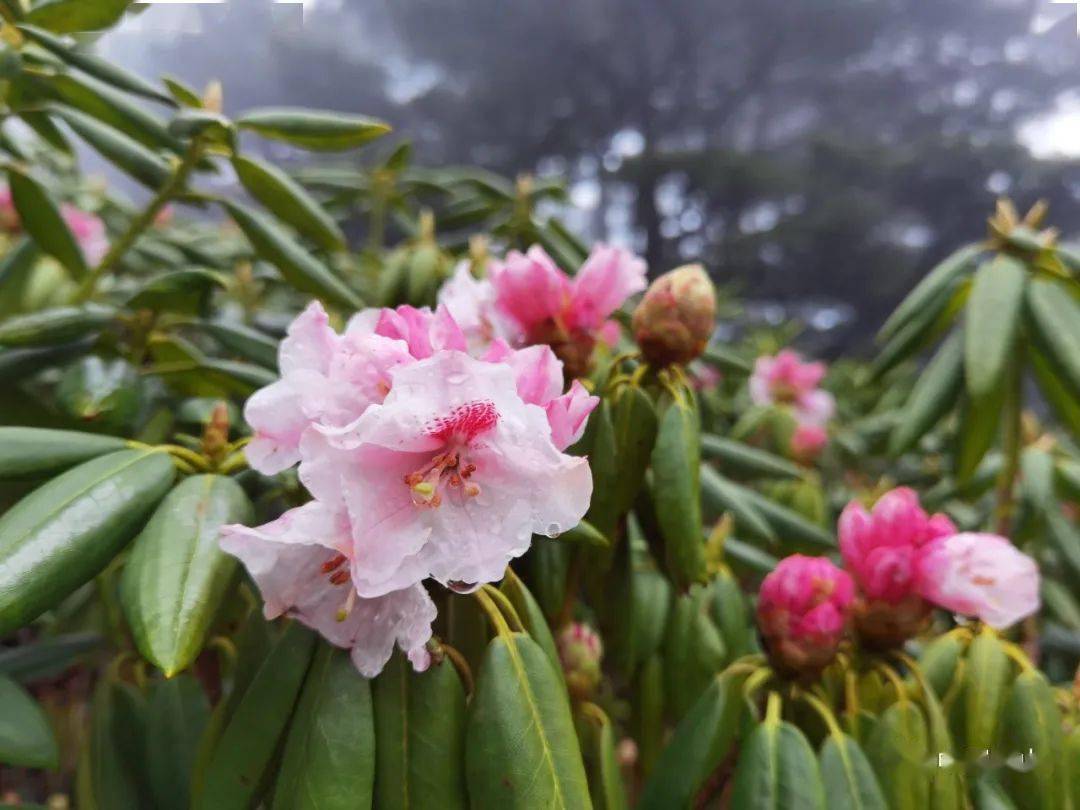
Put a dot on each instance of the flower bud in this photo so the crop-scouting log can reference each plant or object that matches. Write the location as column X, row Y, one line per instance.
column 676, row 317
column 580, row 651
column 802, row 613
column 807, row 442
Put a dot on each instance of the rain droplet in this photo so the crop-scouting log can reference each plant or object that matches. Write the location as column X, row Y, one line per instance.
column 458, row 586
column 456, row 379
column 553, row 530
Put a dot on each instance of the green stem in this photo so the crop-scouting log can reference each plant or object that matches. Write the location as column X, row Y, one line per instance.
column 1012, row 409
column 119, row 248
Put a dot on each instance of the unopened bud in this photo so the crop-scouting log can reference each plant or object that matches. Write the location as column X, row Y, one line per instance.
column 216, row 432
column 676, row 317
column 580, row 651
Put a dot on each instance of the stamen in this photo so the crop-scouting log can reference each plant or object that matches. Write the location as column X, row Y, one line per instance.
column 339, row 577
column 472, row 490
column 333, row 563
column 346, row 608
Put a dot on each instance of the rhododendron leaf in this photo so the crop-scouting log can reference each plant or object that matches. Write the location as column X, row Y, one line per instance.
column 777, row 770
column 600, row 438
column 47, row 657
column 58, row 325
column 70, row 16
column 288, row 200
column 934, row 285
column 648, row 714
column 27, row 451
column 744, row 556
column 1067, row 472
column 420, row 725
column 329, row 757
column 898, row 749
column 676, row 491
column 991, row 324
column 1060, row 603
column 41, row 218
column 248, row 343
column 1071, row 757
column 298, row 267
column 694, row 650
column 977, row 427
column 247, row 744
column 549, row 564
column 722, row 495
column 699, row 744
column 26, row 740
column 986, row 684
column 634, row 421
column 1037, row 480
column 989, row 795
column 181, row 93
column 1032, row 729
column 1053, row 318
column 938, row 662
column 917, row 333
column 120, row 149
column 947, row 772
column 212, row 127
column 732, row 614
column 602, row 764
column 932, row 397
column 532, row 617
column 1060, row 397
column 850, row 783
column 745, row 460
column 181, row 291
column 1065, row 538
column 639, row 604
column 177, row 576
column 726, row 360
column 795, row 532
column 521, row 747
column 64, row 532
column 176, row 715
column 313, row 129
column 17, row 268
column 112, row 768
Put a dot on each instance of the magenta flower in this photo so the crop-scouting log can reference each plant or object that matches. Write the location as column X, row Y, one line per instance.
column 808, row 441
column 786, row 380
column 981, row 575
column 452, row 475
column 802, row 612
column 303, row 564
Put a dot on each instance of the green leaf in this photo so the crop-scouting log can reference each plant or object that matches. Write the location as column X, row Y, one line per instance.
column 777, row 770
column 991, row 324
column 1060, row 397
column 70, row 16
column 978, row 426
column 177, row 576
column 420, row 725
column 676, row 467
column 16, row 273
column 1037, row 480
column 605, row 780
column 26, row 739
column 745, row 556
column 185, row 292
column 898, row 749
column 1071, row 757
column 27, row 451
column 794, row 531
column 848, row 777
column 634, row 422
column 532, row 617
column 247, row 744
column 101, row 394
column 986, row 685
column 989, row 795
column 313, row 129
column 934, row 285
column 248, row 343
column 299, row 268
column 288, row 200
column 66, row 531
column 1065, row 539
column 938, row 662
column 1032, row 732
column 52, row 326
column 731, row 614
column 746, row 460
column 46, row 657
column 694, row 650
column 121, row 150
column 329, row 759
column 933, row 396
column 640, row 604
column 604, row 463
column 1053, row 318
column 720, row 494
column 176, row 716
column 521, row 747
column 212, row 127
column 41, row 218
column 181, row 93
column 725, row 360
column 1058, row 600
column 918, row 333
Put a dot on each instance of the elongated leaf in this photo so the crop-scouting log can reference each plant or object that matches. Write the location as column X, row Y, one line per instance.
column 112, row 772
column 918, row 333
column 1060, row 397
column 777, row 770
column 532, row 617
column 176, row 716
column 745, row 556
column 720, row 494
column 932, row 397
column 70, row 16
column 63, row 533
column 177, row 575
column 26, row 740
column 986, row 685
column 634, row 423
column 1032, row 732
column 302, row 270
column 746, row 460
column 182, row 291
column 694, row 650
column 978, row 427
column 640, row 606
column 934, row 285
column 1058, row 601
column 124, row 152
column 313, row 129
column 725, row 359
column 52, row 326
column 16, row 273
column 991, row 324
column 1053, row 316
column 1071, row 758
column 1065, row 538
column 420, row 724
column 41, row 218
column 329, row 759
column 248, row 343
column 1037, row 480
column 605, row 782
column 898, row 750
column 46, row 657
column 731, row 614
column 521, row 747
column 27, row 451
column 247, row 744
column 938, row 662
column 849, row 779
column 794, row 531
column 288, row 200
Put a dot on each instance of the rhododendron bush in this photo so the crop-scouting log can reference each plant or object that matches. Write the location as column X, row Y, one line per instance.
column 371, row 485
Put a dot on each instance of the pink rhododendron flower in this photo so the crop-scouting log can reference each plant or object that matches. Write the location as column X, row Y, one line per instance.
column 302, row 563
column 981, row 575
column 471, row 302
column 881, row 547
column 808, row 441
column 786, row 380
column 452, row 475
column 802, row 611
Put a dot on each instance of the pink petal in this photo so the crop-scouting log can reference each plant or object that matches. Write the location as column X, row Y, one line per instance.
column 609, row 276
column 310, row 342
column 530, row 288
column 568, row 415
column 277, row 419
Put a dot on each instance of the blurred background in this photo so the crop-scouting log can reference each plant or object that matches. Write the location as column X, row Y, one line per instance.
column 817, row 155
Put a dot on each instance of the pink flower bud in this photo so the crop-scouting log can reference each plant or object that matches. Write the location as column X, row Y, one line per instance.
column 677, row 316
column 786, row 380
column 802, row 612
column 981, row 575
column 808, row 441
column 580, row 651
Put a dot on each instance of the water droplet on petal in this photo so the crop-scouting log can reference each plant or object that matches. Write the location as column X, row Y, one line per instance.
column 553, row 530
column 456, row 379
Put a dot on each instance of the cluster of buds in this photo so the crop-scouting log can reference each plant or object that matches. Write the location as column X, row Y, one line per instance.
column 788, row 383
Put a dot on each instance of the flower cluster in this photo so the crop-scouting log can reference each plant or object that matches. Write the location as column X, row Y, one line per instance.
column 901, row 563
column 528, row 300
column 424, row 461
column 88, row 230
column 786, row 381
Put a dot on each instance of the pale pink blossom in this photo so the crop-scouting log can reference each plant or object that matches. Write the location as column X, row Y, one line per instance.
column 981, row 575
column 609, row 276
column 452, row 475
column 803, row 610
column 808, row 441
column 786, row 380
column 471, row 302
column 303, row 563
column 881, row 548
column 530, row 289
